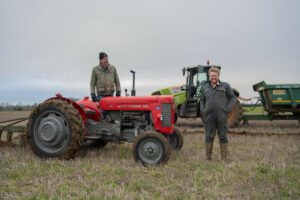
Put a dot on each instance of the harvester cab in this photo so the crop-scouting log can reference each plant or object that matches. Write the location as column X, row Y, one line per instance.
column 196, row 78
column 59, row 126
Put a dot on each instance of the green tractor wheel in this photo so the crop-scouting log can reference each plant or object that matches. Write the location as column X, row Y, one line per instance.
column 175, row 117
column 236, row 115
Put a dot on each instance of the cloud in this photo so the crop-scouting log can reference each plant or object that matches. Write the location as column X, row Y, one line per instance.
column 49, row 46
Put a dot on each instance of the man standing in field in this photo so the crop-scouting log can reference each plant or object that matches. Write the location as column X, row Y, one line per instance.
column 105, row 78
column 216, row 101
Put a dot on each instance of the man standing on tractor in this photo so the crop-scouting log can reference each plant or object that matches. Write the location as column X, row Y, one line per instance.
column 216, row 101
column 105, row 78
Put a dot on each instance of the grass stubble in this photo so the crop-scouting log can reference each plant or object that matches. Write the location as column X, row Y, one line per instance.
column 260, row 167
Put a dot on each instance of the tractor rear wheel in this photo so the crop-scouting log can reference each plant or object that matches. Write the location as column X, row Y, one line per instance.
column 175, row 140
column 236, row 115
column 151, row 148
column 55, row 129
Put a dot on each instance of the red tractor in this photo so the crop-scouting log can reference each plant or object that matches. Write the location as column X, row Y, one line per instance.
column 58, row 127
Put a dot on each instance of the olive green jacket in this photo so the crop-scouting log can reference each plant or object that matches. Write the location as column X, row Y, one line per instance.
column 105, row 80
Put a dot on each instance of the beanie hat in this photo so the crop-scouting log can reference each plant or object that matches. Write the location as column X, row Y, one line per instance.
column 102, row 55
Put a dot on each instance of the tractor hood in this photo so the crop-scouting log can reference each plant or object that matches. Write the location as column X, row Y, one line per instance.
column 110, row 103
column 137, row 99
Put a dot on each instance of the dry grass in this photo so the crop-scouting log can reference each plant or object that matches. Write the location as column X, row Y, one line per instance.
column 260, row 167
column 266, row 167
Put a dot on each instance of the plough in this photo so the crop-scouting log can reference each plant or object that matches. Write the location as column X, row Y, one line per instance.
column 10, row 137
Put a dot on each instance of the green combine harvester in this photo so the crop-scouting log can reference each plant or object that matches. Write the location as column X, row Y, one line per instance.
column 187, row 97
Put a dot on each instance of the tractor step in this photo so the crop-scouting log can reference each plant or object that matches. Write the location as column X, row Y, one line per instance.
column 188, row 110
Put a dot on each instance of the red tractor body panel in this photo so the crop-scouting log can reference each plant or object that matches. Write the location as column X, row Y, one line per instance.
column 136, row 103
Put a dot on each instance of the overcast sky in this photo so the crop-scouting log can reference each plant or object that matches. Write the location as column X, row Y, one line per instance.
column 51, row 46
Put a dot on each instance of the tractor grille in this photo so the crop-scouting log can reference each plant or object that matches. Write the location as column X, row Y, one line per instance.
column 166, row 114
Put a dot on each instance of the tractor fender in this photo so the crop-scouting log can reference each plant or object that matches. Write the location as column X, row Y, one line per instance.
column 76, row 106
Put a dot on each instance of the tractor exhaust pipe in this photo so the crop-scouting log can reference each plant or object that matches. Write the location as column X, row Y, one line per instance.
column 133, row 83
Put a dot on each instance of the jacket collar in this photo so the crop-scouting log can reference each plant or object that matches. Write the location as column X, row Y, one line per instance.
column 218, row 83
column 104, row 68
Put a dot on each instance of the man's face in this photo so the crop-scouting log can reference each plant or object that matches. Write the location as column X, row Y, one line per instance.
column 104, row 61
column 214, row 77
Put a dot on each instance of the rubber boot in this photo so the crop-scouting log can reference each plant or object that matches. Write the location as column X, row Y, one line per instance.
column 209, row 148
column 224, row 151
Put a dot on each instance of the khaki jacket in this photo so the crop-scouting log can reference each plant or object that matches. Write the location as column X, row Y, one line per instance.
column 105, row 80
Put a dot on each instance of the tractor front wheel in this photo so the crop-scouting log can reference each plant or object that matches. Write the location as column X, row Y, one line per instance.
column 55, row 129
column 175, row 140
column 151, row 148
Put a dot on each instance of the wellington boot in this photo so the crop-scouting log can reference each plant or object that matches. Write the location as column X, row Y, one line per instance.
column 209, row 148
column 224, row 151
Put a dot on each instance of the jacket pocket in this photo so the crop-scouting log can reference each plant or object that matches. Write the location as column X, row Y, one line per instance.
column 220, row 93
column 112, row 87
column 101, row 89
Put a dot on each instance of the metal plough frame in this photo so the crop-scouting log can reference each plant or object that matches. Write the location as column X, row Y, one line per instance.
column 13, row 122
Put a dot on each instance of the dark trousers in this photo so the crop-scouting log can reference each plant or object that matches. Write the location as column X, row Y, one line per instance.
column 216, row 120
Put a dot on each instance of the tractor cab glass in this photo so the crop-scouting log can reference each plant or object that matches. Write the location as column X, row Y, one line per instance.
column 192, row 84
column 202, row 79
column 197, row 78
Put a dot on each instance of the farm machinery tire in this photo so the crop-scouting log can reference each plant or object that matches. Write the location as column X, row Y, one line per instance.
column 175, row 117
column 236, row 115
column 55, row 129
column 151, row 149
column 175, row 140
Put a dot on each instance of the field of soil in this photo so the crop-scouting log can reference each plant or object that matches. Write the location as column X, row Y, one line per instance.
column 264, row 163
column 7, row 115
column 255, row 127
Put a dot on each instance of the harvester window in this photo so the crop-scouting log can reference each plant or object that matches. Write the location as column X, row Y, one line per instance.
column 202, row 78
column 193, row 85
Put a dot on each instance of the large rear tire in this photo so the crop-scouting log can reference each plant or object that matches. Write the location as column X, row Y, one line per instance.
column 55, row 129
column 151, row 149
column 236, row 115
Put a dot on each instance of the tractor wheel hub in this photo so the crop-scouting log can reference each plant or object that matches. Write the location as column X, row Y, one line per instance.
column 150, row 150
column 51, row 131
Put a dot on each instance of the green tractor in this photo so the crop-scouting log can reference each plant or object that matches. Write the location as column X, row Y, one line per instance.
column 187, row 97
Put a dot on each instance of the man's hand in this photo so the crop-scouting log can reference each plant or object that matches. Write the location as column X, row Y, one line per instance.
column 118, row 93
column 94, row 98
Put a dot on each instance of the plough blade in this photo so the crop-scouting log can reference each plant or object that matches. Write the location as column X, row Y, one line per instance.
column 9, row 138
